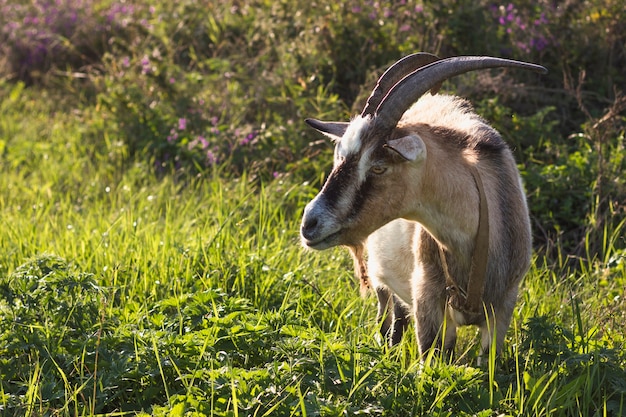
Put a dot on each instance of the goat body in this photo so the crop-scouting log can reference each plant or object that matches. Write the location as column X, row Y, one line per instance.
column 404, row 256
column 402, row 186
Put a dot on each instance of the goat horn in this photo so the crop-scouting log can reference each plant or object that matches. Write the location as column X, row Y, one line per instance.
column 406, row 92
column 393, row 75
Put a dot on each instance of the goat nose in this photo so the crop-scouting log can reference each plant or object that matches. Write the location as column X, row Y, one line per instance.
column 309, row 224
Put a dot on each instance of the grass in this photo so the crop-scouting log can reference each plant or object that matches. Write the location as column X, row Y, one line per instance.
column 153, row 179
column 126, row 293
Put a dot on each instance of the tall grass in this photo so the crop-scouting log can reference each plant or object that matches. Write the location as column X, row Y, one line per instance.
column 125, row 292
column 151, row 193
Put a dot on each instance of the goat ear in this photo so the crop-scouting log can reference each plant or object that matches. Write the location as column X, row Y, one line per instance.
column 409, row 147
column 333, row 130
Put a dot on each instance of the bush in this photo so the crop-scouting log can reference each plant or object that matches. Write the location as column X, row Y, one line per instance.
column 60, row 37
column 225, row 86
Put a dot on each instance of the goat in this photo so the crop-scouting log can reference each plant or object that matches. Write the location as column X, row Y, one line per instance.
column 432, row 193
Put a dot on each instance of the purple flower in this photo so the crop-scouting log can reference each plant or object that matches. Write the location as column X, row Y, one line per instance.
column 126, row 62
column 172, row 80
column 182, row 123
column 249, row 138
column 145, row 65
column 211, row 158
column 119, row 14
column 539, row 43
column 523, row 46
column 542, row 20
column 172, row 136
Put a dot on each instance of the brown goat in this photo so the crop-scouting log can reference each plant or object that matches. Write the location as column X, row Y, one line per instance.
column 434, row 195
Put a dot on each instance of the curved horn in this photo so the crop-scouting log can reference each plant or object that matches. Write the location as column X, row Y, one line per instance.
column 413, row 86
column 395, row 73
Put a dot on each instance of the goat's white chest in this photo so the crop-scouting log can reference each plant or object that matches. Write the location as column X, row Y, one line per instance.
column 391, row 257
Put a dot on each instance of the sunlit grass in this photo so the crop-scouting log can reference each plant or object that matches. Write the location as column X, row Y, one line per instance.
column 173, row 297
column 151, row 189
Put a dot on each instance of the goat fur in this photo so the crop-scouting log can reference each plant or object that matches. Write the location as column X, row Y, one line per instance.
column 433, row 203
column 404, row 264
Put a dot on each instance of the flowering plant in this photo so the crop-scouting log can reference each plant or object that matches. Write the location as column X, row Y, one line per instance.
column 526, row 28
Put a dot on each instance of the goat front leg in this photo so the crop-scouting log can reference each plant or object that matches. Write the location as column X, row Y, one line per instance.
column 401, row 318
column 385, row 311
column 497, row 322
column 434, row 328
column 393, row 315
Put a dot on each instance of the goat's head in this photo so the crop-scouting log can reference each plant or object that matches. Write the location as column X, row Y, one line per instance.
column 363, row 192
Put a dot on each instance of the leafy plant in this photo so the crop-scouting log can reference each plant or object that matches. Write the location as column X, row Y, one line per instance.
column 155, row 168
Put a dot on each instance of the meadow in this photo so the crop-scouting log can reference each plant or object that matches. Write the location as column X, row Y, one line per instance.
column 154, row 168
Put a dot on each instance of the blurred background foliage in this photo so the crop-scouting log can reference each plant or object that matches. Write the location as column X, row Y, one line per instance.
column 197, row 86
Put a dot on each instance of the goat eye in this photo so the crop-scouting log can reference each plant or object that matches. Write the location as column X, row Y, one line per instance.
column 378, row 169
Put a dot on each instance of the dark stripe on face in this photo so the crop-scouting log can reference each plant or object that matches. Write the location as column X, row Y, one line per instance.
column 345, row 193
column 362, row 195
column 340, row 180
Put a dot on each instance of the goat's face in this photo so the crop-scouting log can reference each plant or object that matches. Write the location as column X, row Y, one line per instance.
column 366, row 187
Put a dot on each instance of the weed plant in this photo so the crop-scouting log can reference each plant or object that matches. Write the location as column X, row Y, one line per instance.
column 154, row 171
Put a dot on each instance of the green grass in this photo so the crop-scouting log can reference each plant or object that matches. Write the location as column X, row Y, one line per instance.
column 124, row 293
column 139, row 276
